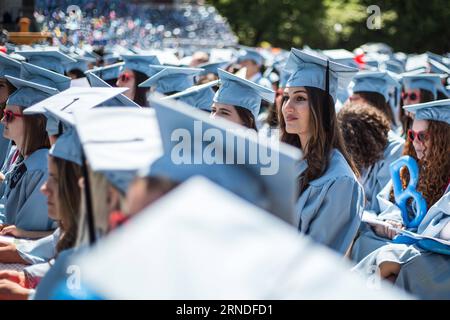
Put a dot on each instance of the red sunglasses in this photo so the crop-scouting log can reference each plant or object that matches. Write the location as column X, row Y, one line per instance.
column 125, row 77
column 412, row 96
column 422, row 136
column 8, row 115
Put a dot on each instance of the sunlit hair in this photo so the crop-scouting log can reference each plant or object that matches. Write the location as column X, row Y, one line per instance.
column 325, row 136
column 377, row 100
column 365, row 131
column 434, row 169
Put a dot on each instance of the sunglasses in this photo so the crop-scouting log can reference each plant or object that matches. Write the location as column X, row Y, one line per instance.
column 8, row 115
column 412, row 96
column 125, row 77
column 422, row 136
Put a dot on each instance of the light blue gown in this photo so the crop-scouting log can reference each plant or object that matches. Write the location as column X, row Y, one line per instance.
column 423, row 273
column 4, row 146
column 330, row 208
column 22, row 203
column 375, row 178
column 39, row 251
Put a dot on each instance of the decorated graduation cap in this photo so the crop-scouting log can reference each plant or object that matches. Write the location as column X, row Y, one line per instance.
column 51, row 59
column 140, row 63
column 9, row 66
column 119, row 100
column 212, row 67
column 28, row 93
column 171, row 79
column 108, row 72
column 427, row 81
column 190, row 246
column 373, row 81
column 435, row 110
column 44, row 76
column 308, row 70
column 235, row 166
column 118, row 154
column 200, row 96
column 237, row 91
column 247, row 53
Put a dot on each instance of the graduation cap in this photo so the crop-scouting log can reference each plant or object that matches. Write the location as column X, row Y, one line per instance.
column 171, row 79
column 28, row 93
column 246, row 53
column 372, row 81
column 435, row 110
column 313, row 71
column 51, row 59
column 120, row 100
column 44, row 76
column 200, row 96
column 9, row 66
column 237, row 91
column 427, row 81
column 437, row 67
column 212, row 67
column 190, row 246
column 341, row 56
column 108, row 72
column 68, row 147
column 140, row 63
column 118, row 154
column 81, row 63
column 393, row 65
column 269, row 183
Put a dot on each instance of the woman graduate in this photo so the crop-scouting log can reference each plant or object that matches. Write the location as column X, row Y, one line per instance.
column 239, row 100
column 429, row 144
column 331, row 200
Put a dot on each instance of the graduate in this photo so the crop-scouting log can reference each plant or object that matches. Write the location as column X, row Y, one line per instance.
column 135, row 70
column 428, row 143
column 23, row 206
column 252, row 60
column 372, row 145
column 331, row 200
column 239, row 100
column 199, row 96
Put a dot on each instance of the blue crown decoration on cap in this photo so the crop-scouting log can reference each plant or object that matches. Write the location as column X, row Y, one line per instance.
column 435, row 110
column 240, row 92
column 50, row 59
column 309, row 70
column 171, row 79
column 9, row 66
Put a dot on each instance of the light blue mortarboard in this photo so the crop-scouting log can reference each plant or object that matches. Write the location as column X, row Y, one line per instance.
column 341, row 56
column 271, row 185
column 427, row 81
column 108, row 72
column 212, row 67
column 49, row 59
column 250, row 54
column 118, row 101
column 237, row 91
column 393, row 65
column 200, row 96
column 140, row 63
column 170, row 79
column 9, row 66
column 44, row 77
column 28, row 93
column 374, row 81
column 435, row 110
column 438, row 67
column 82, row 64
column 68, row 147
column 308, row 70
column 118, row 154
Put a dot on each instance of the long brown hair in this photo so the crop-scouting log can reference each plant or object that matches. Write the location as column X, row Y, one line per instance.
column 69, row 201
column 434, row 169
column 140, row 94
column 247, row 118
column 377, row 100
column 365, row 130
column 325, row 136
column 35, row 135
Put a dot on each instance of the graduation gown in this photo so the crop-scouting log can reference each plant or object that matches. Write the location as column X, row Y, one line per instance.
column 330, row 208
column 39, row 251
column 22, row 203
column 375, row 178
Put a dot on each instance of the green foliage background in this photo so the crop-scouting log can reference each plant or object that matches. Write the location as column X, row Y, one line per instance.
column 406, row 25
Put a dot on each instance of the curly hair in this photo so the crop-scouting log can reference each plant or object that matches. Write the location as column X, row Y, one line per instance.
column 325, row 136
column 377, row 100
column 365, row 132
column 405, row 120
column 434, row 172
